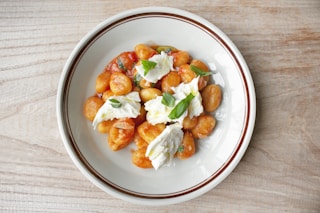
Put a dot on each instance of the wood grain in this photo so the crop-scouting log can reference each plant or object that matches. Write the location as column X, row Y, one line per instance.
column 280, row 41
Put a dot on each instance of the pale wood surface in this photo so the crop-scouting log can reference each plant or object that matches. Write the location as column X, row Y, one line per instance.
column 280, row 172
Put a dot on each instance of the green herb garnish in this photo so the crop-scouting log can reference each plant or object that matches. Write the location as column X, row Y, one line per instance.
column 199, row 71
column 147, row 66
column 168, row 99
column 181, row 107
column 180, row 148
column 121, row 65
column 115, row 103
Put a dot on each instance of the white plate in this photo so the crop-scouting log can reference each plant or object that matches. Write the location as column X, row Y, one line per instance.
column 216, row 156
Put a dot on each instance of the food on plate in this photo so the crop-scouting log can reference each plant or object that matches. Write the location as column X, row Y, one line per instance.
column 160, row 98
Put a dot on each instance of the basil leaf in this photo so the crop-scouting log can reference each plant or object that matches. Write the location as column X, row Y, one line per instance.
column 168, row 99
column 199, row 71
column 115, row 103
column 121, row 65
column 181, row 107
column 147, row 66
column 180, row 148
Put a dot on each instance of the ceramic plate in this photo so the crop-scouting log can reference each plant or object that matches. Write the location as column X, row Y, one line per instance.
column 216, row 155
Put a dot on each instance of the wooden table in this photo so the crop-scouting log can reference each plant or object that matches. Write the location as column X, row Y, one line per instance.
column 280, row 40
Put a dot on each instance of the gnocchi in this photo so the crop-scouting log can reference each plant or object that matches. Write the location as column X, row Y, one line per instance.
column 172, row 79
column 103, row 82
column 91, row 107
column 105, row 126
column 149, row 93
column 121, row 133
column 211, row 97
column 144, row 52
column 187, row 147
column 120, row 84
column 180, row 58
column 149, row 132
column 204, row 127
column 139, row 159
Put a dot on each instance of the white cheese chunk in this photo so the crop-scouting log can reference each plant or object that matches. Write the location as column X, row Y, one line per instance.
column 130, row 108
column 183, row 90
column 163, row 67
column 161, row 150
column 156, row 111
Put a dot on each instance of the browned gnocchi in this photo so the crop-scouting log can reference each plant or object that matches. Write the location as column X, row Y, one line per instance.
column 149, row 93
column 204, row 126
column 132, row 80
column 172, row 79
column 187, row 147
column 91, row 107
column 211, row 97
column 120, row 84
column 121, row 133
column 149, row 132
